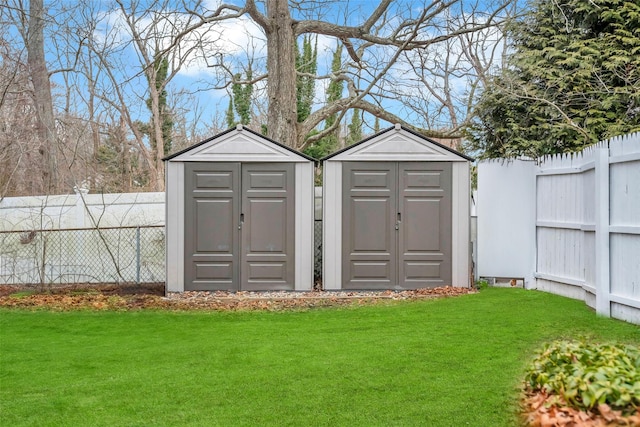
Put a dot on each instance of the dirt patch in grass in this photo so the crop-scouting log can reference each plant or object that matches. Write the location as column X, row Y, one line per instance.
column 152, row 296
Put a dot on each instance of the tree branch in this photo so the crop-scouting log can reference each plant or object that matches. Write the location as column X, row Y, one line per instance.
column 564, row 115
column 259, row 18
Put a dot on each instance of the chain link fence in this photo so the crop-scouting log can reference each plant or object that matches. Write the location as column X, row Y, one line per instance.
column 98, row 255
column 317, row 251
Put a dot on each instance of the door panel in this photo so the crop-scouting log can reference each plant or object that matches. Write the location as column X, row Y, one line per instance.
column 211, row 222
column 368, row 224
column 214, row 238
column 396, row 225
column 420, row 238
column 268, row 226
column 425, row 228
column 271, row 238
column 367, row 214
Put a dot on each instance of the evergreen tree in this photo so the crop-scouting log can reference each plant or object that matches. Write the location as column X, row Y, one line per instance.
column 355, row 127
column 307, row 67
column 230, row 116
column 242, row 97
column 573, row 79
column 162, row 68
column 329, row 143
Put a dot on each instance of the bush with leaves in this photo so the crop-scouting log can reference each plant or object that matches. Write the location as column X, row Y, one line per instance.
column 572, row 79
column 587, row 375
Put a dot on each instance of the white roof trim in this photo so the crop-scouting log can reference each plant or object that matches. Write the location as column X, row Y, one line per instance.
column 239, row 146
column 397, row 144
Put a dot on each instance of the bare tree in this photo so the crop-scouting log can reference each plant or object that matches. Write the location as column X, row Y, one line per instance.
column 19, row 144
column 403, row 61
column 159, row 37
column 34, row 35
column 446, row 78
column 375, row 45
column 51, row 145
column 30, row 19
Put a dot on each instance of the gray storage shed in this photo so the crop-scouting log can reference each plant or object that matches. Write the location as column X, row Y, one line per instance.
column 239, row 215
column 396, row 214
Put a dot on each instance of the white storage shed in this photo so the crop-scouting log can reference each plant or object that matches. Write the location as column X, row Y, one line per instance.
column 396, row 214
column 239, row 215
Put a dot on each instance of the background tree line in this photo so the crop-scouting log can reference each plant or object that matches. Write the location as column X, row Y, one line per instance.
column 95, row 94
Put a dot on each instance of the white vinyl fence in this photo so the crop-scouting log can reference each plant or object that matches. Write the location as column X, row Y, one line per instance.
column 82, row 238
column 81, row 210
column 566, row 224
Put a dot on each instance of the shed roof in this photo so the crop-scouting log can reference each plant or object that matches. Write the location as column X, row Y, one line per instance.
column 239, row 144
column 398, row 143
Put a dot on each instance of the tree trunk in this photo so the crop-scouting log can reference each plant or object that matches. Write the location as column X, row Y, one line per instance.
column 282, row 114
column 126, row 158
column 157, row 175
column 95, row 135
column 42, row 95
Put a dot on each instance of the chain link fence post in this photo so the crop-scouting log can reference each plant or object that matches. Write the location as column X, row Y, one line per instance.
column 138, row 255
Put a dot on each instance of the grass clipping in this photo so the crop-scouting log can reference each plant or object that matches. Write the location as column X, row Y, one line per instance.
column 583, row 384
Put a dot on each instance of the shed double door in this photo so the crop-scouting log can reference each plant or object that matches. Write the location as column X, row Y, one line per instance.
column 396, row 225
column 239, row 226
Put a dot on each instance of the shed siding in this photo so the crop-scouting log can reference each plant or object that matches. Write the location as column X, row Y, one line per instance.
column 460, row 232
column 304, row 207
column 332, row 226
column 174, row 227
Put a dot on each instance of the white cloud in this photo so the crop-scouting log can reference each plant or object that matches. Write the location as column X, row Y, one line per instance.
column 235, row 39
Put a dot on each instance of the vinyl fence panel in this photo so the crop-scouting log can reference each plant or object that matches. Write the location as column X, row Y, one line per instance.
column 587, row 224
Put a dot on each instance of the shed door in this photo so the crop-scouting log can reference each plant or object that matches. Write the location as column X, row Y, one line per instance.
column 239, row 226
column 396, row 225
column 211, row 240
column 267, row 226
column 368, row 225
column 424, row 235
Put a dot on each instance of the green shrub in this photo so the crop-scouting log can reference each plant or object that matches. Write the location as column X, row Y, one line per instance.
column 586, row 375
column 482, row 284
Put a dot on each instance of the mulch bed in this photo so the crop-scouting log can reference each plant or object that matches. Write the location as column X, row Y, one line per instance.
column 152, row 296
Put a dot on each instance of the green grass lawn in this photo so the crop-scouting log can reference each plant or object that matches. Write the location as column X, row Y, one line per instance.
column 449, row 362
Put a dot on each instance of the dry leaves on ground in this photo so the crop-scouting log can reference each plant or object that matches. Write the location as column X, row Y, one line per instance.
column 544, row 410
column 108, row 297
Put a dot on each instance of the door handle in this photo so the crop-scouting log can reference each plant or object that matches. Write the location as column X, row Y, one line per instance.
column 399, row 219
column 241, row 221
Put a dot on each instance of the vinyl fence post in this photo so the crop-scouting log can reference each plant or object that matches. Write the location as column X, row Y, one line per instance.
column 138, row 255
column 602, row 279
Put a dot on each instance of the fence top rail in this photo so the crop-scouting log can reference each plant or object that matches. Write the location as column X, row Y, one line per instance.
column 624, row 147
column 46, row 230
